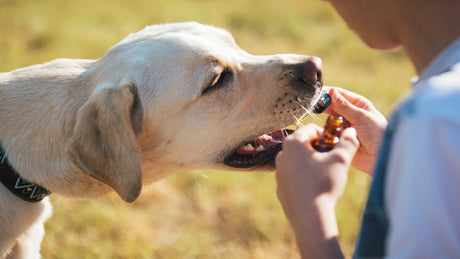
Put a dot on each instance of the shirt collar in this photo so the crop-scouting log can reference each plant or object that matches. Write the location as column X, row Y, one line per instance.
column 443, row 62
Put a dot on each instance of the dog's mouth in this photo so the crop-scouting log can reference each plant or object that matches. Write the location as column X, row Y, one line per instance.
column 263, row 149
column 259, row 151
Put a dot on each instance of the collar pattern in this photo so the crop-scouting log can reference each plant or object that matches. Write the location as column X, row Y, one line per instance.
column 19, row 186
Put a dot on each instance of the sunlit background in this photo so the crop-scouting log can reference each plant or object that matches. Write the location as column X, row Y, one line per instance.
column 199, row 214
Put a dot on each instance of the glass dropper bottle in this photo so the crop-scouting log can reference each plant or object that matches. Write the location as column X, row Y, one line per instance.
column 331, row 134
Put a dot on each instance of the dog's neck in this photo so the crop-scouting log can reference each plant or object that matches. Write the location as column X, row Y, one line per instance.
column 22, row 188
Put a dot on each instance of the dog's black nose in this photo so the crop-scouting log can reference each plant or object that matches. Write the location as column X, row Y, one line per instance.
column 312, row 71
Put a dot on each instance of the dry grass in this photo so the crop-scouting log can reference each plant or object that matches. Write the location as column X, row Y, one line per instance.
column 206, row 214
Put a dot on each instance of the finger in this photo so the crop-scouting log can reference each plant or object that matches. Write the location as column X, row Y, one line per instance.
column 326, row 88
column 356, row 100
column 348, row 145
column 305, row 133
column 341, row 106
column 349, row 95
column 334, row 108
column 299, row 142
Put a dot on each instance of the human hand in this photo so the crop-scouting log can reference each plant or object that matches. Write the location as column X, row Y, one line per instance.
column 369, row 123
column 305, row 175
column 309, row 185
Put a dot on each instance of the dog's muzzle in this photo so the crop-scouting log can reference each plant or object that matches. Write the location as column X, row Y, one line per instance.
column 264, row 149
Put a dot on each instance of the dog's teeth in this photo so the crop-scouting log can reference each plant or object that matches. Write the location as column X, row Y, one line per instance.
column 260, row 148
column 265, row 137
column 248, row 147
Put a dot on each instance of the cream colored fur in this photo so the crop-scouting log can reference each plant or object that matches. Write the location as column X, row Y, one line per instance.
column 82, row 128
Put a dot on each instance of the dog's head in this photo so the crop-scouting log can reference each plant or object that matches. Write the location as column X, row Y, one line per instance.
column 206, row 103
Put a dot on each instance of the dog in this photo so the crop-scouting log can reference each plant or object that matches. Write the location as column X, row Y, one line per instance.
column 168, row 98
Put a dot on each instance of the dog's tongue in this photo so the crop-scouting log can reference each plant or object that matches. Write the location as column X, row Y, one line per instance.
column 262, row 143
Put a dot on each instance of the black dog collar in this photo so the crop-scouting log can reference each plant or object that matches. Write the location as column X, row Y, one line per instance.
column 16, row 184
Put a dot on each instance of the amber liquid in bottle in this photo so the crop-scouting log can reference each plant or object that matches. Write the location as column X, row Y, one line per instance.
column 330, row 136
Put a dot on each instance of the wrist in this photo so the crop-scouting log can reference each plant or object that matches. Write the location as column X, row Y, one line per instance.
column 325, row 210
column 316, row 230
column 315, row 216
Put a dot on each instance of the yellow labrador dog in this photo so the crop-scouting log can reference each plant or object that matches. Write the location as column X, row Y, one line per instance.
column 168, row 98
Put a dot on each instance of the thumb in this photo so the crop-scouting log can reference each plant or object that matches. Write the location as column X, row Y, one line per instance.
column 348, row 144
column 341, row 106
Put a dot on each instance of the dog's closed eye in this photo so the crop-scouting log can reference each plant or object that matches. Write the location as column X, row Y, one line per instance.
column 219, row 81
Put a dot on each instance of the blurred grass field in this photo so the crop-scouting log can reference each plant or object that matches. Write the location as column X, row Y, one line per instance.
column 199, row 214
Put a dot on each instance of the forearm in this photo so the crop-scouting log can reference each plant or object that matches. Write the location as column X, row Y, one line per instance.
column 316, row 230
column 309, row 185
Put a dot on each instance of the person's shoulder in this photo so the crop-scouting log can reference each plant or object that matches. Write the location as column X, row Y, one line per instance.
column 447, row 80
column 440, row 94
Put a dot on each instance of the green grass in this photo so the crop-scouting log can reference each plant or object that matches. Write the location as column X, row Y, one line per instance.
column 206, row 214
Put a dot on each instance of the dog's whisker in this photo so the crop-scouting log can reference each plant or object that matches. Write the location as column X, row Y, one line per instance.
column 203, row 174
column 309, row 113
column 298, row 122
column 305, row 109
column 314, row 116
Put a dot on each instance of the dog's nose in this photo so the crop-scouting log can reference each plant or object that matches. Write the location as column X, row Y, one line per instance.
column 312, row 71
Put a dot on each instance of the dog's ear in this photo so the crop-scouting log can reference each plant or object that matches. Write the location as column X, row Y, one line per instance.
column 104, row 139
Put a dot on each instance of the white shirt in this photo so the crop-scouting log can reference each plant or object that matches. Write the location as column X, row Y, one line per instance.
column 422, row 189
